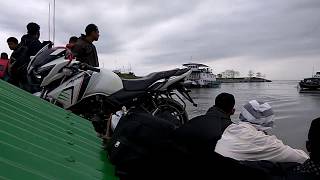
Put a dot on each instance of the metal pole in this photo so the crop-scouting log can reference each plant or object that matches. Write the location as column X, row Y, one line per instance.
column 54, row 20
column 49, row 22
column 312, row 70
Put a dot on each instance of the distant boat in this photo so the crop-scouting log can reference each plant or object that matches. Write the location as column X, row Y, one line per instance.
column 312, row 83
column 201, row 76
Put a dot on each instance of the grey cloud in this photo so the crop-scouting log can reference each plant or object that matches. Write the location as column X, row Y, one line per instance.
column 282, row 31
column 161, row 33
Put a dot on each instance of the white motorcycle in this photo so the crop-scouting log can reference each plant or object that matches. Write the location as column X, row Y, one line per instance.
column 97, row 93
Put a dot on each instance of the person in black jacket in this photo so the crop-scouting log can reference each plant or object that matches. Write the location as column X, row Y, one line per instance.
column 201, row 133
column 17, row 59
column 84, row 49
column 31, row 45
column 31, row 39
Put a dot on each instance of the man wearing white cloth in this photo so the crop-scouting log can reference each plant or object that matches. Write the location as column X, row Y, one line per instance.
column 248, row 139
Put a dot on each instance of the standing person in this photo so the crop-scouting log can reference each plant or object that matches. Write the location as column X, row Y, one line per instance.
column 32, row 45
column 201, row 133
column 17, row 59
column 4, row 62
column 249, row 140
column 72, row 42
column 84, row 50
column 31, row 39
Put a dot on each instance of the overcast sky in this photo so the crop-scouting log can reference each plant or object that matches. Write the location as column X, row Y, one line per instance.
column 280, row 38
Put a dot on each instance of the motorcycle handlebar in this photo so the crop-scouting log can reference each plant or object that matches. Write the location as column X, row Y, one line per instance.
column 93, row 69
column 85, row 66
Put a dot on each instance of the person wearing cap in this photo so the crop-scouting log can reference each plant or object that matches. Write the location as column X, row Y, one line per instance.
column 249, row 138
column 84, row 49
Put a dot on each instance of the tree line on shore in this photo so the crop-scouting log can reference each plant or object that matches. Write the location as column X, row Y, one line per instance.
column 230, row 73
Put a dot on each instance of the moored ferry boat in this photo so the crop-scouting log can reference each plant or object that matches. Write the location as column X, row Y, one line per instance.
column 201, row 76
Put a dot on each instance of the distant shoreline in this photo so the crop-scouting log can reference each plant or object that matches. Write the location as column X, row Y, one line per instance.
column 242, row 80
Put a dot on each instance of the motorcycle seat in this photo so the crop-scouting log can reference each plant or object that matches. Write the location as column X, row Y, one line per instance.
column 145, row 82
column 181, row 71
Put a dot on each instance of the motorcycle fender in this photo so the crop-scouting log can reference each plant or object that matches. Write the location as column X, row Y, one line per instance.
column 174, row 79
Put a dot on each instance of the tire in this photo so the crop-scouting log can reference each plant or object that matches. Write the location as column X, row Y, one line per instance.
column 172, row 111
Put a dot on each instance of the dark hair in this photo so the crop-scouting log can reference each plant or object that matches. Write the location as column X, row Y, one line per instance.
column 314, row 136
column 91, row 28
column 225, row 101
column 12, row 39
column 33, row 28
column 4, row 55
column 73, row 39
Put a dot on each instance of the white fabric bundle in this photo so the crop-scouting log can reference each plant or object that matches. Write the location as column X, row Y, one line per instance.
column 247, row 140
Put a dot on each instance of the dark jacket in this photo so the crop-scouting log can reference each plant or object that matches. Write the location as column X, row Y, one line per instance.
column 309, row 168
column 29, row 46
column 285, row 170
column 33, row 44
column 173, row 164
column 202, row 132
column 17, row 61
column 85, row 52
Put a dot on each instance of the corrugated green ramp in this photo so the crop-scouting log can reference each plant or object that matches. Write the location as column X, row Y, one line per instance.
column 41, row 141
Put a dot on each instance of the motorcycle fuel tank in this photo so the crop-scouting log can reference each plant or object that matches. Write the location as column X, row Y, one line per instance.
column 104, row 82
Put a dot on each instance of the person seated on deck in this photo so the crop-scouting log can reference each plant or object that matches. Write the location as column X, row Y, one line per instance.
column 193, row 155
column 202, row 132
column 249, row 140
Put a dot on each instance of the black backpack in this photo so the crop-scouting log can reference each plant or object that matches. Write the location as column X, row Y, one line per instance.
column 136, row 139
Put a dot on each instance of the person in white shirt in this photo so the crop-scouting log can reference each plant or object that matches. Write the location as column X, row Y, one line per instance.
column 249, row 140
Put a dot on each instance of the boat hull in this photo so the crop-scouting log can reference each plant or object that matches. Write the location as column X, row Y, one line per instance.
column 214, row 84
column 304, row 85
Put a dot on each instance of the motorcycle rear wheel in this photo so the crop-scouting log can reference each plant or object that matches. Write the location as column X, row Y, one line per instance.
column 171, row 110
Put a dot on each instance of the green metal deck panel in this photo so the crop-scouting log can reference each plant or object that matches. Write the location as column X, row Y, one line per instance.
column 41, row 141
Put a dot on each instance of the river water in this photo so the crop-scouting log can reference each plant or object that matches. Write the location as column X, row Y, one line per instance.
column 293, row 110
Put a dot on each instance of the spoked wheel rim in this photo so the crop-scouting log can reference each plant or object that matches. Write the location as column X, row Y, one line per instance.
column 175, row 110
